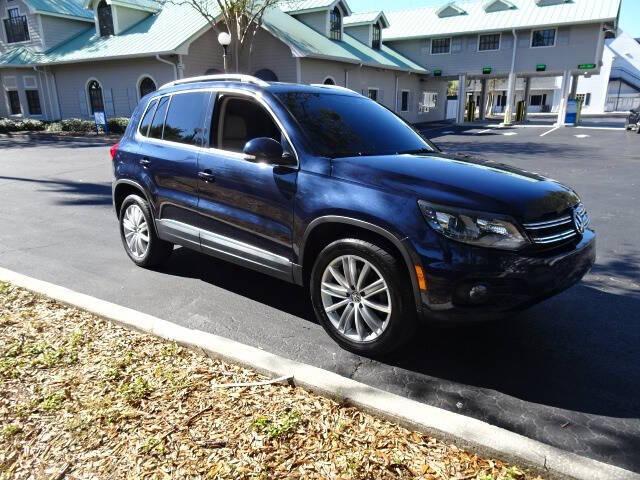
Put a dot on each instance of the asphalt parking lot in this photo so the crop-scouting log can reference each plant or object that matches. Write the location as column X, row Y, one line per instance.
column 566, row 372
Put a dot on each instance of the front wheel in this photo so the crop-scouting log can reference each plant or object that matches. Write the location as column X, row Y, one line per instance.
column 138, row 234
column 362, row 297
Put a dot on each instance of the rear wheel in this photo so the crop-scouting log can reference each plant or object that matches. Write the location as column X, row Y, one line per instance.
column 138, row 234
column 362, row 297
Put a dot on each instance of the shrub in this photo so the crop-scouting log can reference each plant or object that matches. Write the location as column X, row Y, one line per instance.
column 7, row 125
column 118, row 125
column 77, row 125
column 31, row 125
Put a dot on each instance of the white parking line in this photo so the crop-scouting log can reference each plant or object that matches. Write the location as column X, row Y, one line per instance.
column 509, row 134
column 483, row 131
column 448, row 132
column 550, row 131
column 602, row 128
column 582, row 136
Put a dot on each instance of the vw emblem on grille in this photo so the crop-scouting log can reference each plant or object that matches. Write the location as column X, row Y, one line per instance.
column 580, row 219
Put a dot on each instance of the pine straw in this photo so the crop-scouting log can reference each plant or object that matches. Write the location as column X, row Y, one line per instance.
column 84, row 398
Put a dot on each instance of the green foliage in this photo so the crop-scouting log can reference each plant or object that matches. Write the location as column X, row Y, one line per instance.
column 7, row 125
column 117, row 125
column 280, row 427
column 135, row 390
column 77, row 125
column 53, row 401
column 10, row 430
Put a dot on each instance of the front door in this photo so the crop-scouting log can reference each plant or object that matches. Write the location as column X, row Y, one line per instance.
column 246, row 208
column 169, row 161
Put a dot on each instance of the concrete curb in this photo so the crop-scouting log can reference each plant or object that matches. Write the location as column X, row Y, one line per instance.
column 94, row 140
column 466, row 432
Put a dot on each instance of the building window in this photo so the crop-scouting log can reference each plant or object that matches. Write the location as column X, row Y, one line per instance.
column 543, row 38
column 147, row 86
column 373, row 94
column 266, row 75
column 33, row 102
column 404, row 101
column 538, row 100
column 105, row 19
column 440, row 46
column 16, row 26
column 336, row 24
column 377, row 36
column 14, row 102
column 488, row 43
column 329, row 81
column 96, row 102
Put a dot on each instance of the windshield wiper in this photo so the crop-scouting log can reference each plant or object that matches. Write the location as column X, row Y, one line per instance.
column 416, row 151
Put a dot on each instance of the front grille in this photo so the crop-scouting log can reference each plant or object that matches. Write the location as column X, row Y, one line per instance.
column 559, row 230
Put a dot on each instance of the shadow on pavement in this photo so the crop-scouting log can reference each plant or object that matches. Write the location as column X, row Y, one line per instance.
column 71, row 193
column 563, row 353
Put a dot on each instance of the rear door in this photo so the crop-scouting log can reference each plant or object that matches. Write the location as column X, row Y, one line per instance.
column 246, row 208
column 169, row 161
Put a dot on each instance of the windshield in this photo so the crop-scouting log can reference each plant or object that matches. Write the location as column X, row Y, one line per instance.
column 349, row 126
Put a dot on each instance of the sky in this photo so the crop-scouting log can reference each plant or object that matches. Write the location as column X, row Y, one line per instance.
column 628, row 18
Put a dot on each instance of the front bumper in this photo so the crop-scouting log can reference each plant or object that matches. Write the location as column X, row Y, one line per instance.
column 508, row 281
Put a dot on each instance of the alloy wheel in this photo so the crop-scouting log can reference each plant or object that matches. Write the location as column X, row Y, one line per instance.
column 136, row 231
column 356, row 298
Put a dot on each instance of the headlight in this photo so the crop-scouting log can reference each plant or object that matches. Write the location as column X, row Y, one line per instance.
column 473, row 228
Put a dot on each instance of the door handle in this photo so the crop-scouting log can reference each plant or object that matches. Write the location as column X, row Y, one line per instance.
column 207, row 176
column 145, row 162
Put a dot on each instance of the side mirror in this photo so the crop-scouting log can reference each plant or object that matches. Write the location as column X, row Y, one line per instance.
column 264, row 150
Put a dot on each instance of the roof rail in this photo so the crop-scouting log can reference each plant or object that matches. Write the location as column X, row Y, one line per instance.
column 218, row 78
column 334, row 87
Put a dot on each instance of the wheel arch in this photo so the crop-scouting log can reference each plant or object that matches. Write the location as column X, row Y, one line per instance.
column 123, row 188
column 324, row 230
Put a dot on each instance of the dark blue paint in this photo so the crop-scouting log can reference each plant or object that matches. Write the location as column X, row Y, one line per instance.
column 274, row 208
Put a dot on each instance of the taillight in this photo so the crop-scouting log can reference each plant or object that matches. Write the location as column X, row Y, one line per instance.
column 113, row 150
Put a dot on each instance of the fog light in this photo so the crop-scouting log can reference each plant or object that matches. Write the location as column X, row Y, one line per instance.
column 478, row 293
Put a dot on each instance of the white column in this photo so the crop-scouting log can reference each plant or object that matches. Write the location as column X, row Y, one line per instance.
column 180, row 67
column 511, row 100
column 527, row 94
column 565, row 90
column 483, row 98
column 462, row 97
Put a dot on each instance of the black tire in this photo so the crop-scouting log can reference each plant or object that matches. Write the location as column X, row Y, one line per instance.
column 402, row 321
column 158, row 251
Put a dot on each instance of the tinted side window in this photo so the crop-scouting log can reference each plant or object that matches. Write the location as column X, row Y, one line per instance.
column 148, row 116
column 240, row 120
column 158, row 118
column 185, row 122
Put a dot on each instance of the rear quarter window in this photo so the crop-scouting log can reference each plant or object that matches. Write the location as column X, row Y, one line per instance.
column 185, row 119
column 147, row 118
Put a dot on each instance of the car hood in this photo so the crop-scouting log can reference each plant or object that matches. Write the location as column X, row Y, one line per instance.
column 461, row 182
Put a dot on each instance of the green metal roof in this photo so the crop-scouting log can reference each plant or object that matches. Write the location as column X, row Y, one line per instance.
column 64, row 8
column 18, row 56
column 306, row 42
column 158, row 34
column 305, row 5
column 364, row 18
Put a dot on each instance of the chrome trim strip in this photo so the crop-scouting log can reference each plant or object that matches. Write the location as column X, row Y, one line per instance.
column 556, row 238
column 227, row 245
column 548, row 224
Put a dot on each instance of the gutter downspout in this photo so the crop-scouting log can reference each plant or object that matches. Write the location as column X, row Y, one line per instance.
column 173, row 65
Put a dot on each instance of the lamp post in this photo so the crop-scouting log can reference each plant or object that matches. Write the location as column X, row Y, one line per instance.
column 224, row 39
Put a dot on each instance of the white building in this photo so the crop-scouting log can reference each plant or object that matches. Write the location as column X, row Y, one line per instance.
column 617, row 87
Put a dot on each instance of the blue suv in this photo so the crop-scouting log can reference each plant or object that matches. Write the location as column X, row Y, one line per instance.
column 322, row 187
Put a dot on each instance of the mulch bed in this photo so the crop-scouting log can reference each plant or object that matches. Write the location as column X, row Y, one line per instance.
column 83, row 398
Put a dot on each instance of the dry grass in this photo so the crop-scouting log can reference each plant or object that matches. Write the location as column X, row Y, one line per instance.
column 84, row 398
